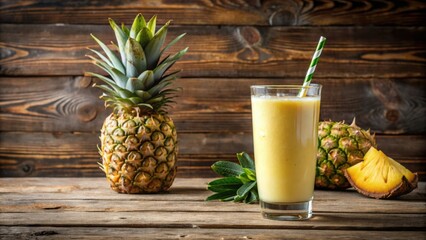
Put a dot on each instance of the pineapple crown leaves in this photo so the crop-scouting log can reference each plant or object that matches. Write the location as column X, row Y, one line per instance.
column 137, row 78
column 238, row 183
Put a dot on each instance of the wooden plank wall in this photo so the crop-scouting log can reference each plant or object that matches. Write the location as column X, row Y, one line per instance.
column 373, row 68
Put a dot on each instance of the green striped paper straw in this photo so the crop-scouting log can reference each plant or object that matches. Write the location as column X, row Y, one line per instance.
column 312, row 66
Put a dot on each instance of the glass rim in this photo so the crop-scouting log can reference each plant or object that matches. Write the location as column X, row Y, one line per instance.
column 284, row 86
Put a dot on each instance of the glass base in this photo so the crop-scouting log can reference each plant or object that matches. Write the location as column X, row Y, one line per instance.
column 287, row 211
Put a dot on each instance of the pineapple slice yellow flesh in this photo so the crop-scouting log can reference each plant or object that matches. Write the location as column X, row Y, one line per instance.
column 379, row 176
column 407, row 174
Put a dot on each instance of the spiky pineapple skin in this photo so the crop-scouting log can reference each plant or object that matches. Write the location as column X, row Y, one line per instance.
column 339, row 146
column 139, row 152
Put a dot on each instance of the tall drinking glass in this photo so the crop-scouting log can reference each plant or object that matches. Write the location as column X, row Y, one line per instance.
column 285, row 140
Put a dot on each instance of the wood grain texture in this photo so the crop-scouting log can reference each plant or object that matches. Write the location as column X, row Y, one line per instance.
column 248, row 51
column 114, row 233
column 184, row 189
column 326, row 202
column 50, row 104
column 70, row 104
column 53, row 207
column 75, row 154
column 212, row 12
column 185, row 219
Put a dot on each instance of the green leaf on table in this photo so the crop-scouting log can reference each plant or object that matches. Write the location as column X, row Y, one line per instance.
column 223, row 196
column 238, row 183
column 224, row 184
column 227, row 169
column 251, row 174
column 245, row 160
column 238, row 198
column 244, row 178
column 251, row 198
column 255, row 193
column 245, row 189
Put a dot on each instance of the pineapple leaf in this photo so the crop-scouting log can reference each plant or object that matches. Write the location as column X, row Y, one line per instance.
column 244, row 178
column 115, row 46
column 245, row 160
column 142, row 21
column 171, row 76
column 172, row 42
column 101, row 64
column 166, row 64
column 131, row 69
column 136, row 100
column 246, row 188
column 112, row 74
column 255, row 193
column 251, row 175
column 121, row 35
column 136, row 26
column 106, row 89
column 238, row 184
column 143, row 94
column 124, row 100
column 114, row 60
column 135, row 56
column 145, row 105
column 144, row 36
column 106, row 80
column 105, row 59
column 223, row 196
column 160, row 69
column 119, row 78
column 170, row 91
column 122, row 92
column 157, row 88
column 152, row 24
column 228, row 199
column 251, row 198
column 169, row 94
column 125, row 30
column 238, row 198
column 147, row 78
column 227, row 169
column 134, row 84
column 152, row 49
column 224, row 184
column 156, row 100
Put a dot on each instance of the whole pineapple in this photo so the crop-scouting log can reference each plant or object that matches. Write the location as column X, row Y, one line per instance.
column 138, row 140
column 340, row 146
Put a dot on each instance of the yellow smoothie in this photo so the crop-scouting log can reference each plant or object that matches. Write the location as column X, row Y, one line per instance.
column 285, row 147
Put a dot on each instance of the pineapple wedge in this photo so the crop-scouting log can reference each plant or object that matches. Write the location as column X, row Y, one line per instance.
column 379, row 176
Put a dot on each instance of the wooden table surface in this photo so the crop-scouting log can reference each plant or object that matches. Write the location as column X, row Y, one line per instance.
column 86, row 208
